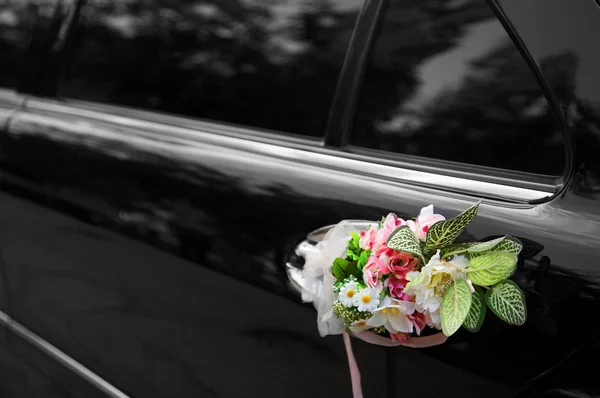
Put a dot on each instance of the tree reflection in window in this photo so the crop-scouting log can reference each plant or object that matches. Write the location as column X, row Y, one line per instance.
column 445, row 81
column 271, row 64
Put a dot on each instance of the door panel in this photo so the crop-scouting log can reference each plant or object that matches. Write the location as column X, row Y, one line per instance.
column 157, row 259
column 28, row 372
column 154, row 324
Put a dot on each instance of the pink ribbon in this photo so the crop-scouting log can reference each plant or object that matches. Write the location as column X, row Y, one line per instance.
column 369, row 337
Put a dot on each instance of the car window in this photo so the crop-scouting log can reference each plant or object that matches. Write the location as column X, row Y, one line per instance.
column 445, row 81
column 31, row 33
column 270, row 64
column 17, row 21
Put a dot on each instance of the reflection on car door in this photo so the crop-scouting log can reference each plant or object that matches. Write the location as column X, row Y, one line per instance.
column 204, row 297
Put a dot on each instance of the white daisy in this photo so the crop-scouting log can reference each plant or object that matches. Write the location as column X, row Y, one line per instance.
column 359, row 326
column 346, row 295
column 366, row 299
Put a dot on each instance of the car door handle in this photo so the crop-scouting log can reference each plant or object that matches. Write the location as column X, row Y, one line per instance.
column 295, row 263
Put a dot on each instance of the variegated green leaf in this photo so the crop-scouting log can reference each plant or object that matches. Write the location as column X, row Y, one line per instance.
column 455, row 306
column 476, row 314
column 491, row 268
column 485, row 246
column 507, row 301
column 456, row 248
column 509, row 245
column 403, row 239
column 443, row 233
column 469, row 247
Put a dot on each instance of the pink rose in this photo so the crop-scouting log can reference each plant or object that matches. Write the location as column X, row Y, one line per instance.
column 403, row 264
column 371, row 272
column 399, row 263
column 425, row 220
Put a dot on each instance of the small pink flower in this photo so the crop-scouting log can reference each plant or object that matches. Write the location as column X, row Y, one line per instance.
column 396, row 287
column 367, row 238
column 391, row 223
column 419, row 321
column 425, row 220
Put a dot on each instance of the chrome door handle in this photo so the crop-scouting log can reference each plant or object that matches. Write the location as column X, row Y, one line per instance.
column 295, row 263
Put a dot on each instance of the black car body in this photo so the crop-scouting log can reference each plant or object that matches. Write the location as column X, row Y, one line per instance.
column 160, row 161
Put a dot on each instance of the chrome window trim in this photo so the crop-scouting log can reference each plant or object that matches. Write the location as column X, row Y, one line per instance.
column 60, row 357
column 307, row 152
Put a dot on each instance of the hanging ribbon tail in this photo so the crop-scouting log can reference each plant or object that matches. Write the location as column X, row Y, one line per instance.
column 369, row 337
column 354, row 371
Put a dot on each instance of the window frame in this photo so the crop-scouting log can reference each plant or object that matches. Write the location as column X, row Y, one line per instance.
column 307, row 154
column 341, row 115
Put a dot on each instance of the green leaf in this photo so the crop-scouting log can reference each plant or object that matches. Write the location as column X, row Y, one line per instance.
column 509, row 245
column 351, row 255
column 455, row 306
column 491, row 268
column 485, row 246
column 364, row 256
column 456, row 248
column 507, row 301
column 342, row 268
column 476, row 249
column 339, row 268
column 353, row 270
column 443, row 233
column 355, row 239
column 403, row 239
column 477, row 311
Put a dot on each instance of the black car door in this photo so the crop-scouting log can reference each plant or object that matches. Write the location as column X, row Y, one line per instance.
column 150, row 248
column 26, row 370
column 165, row 287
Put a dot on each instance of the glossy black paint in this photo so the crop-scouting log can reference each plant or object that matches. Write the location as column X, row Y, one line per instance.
column 151, row 249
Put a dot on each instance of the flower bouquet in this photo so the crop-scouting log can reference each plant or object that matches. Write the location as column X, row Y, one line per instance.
column 391, row 281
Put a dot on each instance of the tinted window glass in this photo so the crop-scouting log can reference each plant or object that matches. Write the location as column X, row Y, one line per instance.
column 12, row 42
column 266, row 63
column 445, row 81
column 31, row 31
column 16, row 25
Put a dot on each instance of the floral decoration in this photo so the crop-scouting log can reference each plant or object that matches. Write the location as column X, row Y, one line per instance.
column 398, row 278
